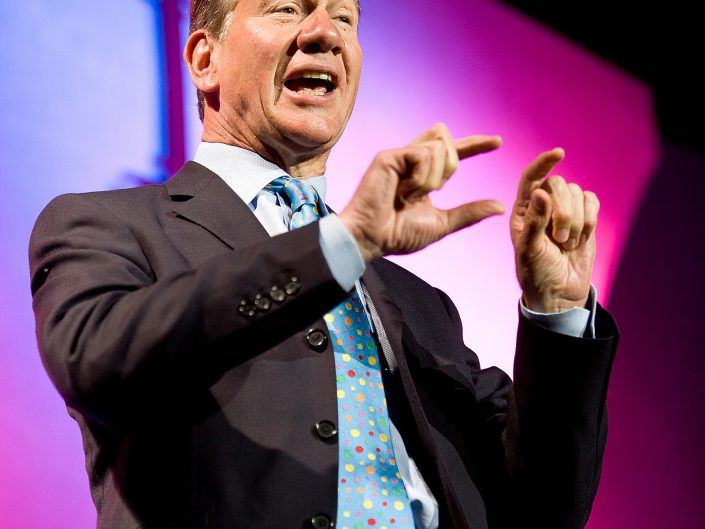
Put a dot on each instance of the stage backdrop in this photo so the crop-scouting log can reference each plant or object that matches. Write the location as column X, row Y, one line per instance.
column 84, row 108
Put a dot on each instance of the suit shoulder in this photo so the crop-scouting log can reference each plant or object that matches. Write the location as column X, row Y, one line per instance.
column 129, row 203
column 112, row 198
column 121, row 210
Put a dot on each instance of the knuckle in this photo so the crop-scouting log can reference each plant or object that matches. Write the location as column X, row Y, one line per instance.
column 416, row 151
column 556, row 181
column 385, row 157
column 439, row 128
column 392, row 160
column 561, row 218
column 551, row 185
column 592, row 198
column 452, row 164
column 576, row 228
column 431, row 149
column 575, row 189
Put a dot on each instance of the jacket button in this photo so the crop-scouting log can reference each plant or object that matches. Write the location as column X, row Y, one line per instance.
column 277, row 294
column 326, row 430
column 321, row 521
column 317, row 340
column 247, row 309
column 293, row 286
column 262, row 302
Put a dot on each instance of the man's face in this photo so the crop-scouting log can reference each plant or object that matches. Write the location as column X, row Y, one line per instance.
column 289, row 72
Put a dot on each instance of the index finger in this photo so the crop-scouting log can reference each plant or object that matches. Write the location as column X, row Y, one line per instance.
column 537, row 170
column 477, row 144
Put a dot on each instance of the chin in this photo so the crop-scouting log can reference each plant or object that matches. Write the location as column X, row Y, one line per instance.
column 313, row 132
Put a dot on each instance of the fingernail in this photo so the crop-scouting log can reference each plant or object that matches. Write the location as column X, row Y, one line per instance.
column 572, row 243
column 583, row 238
column 562, row 235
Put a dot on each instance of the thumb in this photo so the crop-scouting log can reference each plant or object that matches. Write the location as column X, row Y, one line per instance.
column 537, row 217
column 472, row 213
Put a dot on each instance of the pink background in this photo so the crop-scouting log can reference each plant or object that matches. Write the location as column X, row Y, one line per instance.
column 80, row 112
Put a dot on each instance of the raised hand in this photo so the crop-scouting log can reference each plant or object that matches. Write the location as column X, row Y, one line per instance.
column 552, row 227
column 391, row 213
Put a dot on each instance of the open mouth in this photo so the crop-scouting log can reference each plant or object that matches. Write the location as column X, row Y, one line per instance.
column 311, row 84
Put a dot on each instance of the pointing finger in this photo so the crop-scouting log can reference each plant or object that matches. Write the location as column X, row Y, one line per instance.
column 536, row 171
column 477, row 144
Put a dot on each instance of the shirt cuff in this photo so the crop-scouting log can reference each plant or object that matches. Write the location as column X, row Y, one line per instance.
column 576, row 322
column 341, row 252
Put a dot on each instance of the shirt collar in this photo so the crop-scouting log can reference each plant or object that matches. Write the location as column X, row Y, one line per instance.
column 246, row 172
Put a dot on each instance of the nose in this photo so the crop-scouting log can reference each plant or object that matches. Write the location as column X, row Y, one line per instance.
column 319, row 34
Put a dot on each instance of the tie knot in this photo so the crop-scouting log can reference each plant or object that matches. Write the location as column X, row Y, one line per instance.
column 302, row 199
column 296, row 192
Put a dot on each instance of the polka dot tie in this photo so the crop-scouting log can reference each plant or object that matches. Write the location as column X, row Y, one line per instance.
column 371, row 493
column 302, row 199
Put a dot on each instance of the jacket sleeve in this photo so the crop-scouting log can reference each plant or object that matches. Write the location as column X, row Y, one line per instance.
column 541, row 438
column 126, row 348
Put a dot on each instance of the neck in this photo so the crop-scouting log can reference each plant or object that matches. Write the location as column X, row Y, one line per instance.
column 308, row 168
column 289, row 158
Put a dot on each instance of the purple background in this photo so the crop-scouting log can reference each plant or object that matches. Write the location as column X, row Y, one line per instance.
column 85, row 107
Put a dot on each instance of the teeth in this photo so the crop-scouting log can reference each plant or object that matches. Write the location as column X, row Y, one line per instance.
column 313, row 91
column 314, row 75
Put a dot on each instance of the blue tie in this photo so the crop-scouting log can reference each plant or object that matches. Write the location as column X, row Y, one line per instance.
column 371, row 493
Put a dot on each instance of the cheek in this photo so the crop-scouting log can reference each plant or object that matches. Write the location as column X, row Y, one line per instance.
column 354, row 69
column 264, row 48
column 255, row 54
column 245, row 86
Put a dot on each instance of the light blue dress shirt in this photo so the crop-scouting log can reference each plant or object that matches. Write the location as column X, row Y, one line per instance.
column 247, row 174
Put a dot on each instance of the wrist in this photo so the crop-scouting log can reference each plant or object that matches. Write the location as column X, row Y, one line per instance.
column 552, row 305
column 368, row 248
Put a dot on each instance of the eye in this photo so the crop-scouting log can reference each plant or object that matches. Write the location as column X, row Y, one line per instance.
column 287, row 10
column 345, row 17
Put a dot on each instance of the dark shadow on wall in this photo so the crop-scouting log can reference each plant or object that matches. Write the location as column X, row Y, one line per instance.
column 654, row 472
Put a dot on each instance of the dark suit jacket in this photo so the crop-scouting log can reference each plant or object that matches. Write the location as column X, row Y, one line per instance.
column 194, row 414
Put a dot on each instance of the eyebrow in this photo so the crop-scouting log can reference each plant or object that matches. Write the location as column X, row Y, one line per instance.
column 359, row 9
column 357, row 5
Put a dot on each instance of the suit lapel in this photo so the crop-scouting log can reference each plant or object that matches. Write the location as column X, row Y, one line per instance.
column 392, row 320
column 203, row 198
column 395, row 329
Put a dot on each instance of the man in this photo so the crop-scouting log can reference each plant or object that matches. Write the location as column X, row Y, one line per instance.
column 191, row 332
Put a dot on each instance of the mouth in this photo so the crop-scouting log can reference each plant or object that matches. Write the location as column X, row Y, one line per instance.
column 312, row 83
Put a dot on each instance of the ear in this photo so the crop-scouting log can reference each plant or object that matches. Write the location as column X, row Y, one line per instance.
column 198, row 56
